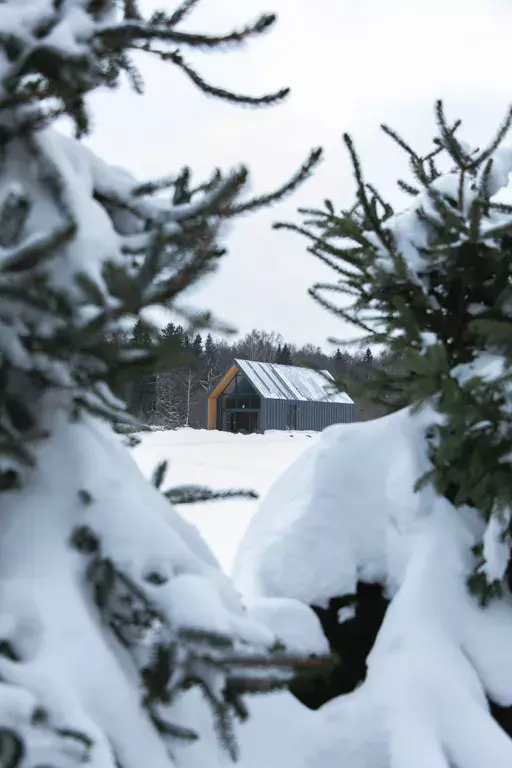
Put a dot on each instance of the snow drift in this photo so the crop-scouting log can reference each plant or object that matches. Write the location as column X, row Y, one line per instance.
column 346, row 511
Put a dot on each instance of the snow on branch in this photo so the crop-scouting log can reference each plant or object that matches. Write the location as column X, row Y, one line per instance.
column 431, row 283
column 45, row 42
column 130, row 608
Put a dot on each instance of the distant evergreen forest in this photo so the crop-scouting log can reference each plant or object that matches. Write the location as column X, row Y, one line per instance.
column 176, row 397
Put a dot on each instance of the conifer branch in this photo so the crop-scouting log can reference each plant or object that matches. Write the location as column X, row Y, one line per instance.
column 408, row 188
column 369, row 211
column 182, row 12
column 439, row 299
column 496, row 142
column 197, row 494
column 286, row 189
column 400, row 141
column 131, row 9
column 132, row 31
column 448, row 139
column 84, row 250
column 211, row 90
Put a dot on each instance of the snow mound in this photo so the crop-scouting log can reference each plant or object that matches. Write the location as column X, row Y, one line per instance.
column 336, row 516
column 345, row 511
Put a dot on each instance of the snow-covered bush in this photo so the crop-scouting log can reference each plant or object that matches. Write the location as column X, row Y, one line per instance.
column 418, row 501
column 111, row 606
column 323, row 528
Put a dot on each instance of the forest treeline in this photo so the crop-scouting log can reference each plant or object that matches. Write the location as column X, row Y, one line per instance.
column 177, row 397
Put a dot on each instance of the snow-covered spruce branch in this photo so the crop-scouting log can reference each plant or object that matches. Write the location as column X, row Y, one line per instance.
column 156, row 645
column 423, row 281
column 431, row 283
column 156, row 278
column 44, row 44
column 194, row 494
column 127, row 626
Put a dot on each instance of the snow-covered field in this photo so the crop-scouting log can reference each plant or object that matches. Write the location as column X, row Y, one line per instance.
column 222, row 460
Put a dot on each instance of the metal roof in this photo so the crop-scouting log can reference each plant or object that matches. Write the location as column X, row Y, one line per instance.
column 289, row 382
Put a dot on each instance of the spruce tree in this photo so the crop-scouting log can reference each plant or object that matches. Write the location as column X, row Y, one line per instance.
column 197, row 345
column 284, row 355
column 338, row 361
column 172, row 344
column 368, row 357
column 143, row 395
column 210, row 348
column 101, row 583
column 168, row 332
column 211, row 365
column 433, row 285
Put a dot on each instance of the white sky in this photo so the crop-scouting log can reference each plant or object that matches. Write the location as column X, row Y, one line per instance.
column 351, row 64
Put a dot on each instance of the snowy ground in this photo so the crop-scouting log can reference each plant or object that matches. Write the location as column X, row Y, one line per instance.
column 222, row 460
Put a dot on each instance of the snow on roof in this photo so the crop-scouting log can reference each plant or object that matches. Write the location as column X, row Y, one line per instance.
column 289, row 382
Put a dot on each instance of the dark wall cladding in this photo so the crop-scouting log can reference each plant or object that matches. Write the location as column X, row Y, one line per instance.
column 301, row 415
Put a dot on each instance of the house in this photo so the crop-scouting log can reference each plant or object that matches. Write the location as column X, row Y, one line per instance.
column 254, row 397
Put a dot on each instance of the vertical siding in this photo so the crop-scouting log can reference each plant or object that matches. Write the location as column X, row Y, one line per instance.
column 314, row 416
column 276, row 412
column 262, row 418
column 318, row 416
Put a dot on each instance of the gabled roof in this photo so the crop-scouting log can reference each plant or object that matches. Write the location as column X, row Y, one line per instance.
column 289, row 382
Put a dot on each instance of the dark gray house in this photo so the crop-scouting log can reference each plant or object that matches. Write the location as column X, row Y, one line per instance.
column 254, row 397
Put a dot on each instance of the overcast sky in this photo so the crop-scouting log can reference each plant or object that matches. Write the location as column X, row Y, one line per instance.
column 351, row 64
